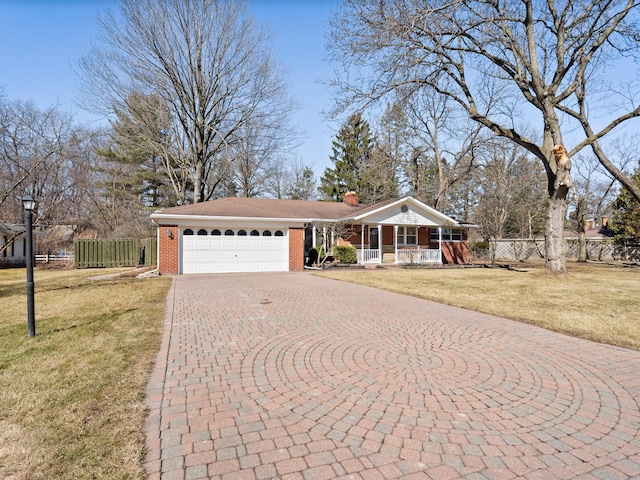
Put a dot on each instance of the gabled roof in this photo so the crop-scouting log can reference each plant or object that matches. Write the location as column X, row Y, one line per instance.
column 271, row 208
column 11, row 229
column 298, row 210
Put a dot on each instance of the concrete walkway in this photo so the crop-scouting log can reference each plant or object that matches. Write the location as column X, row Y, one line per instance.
column 292, row 376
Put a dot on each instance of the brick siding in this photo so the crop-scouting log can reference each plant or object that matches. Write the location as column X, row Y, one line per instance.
column 296, row 249
column 168, row 260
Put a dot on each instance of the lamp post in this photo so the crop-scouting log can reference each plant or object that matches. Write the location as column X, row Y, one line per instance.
column 29, row 204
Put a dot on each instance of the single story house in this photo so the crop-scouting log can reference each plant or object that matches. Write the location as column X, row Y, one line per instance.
column 266, row 235
column 13, row 245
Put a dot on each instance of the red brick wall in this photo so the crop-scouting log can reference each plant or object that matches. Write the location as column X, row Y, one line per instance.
column 423, row 236
column 387, row 235
column 296, row 249
column 168, row 250
column 454, row 252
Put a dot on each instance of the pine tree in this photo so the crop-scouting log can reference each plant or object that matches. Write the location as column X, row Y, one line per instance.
column 303, row 185
column 625, row 223
column 143, row 173
column 351, row 152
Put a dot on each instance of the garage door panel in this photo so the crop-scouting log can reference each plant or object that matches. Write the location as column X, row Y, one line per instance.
column 227, row 253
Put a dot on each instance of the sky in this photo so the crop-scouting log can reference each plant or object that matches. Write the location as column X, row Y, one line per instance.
column 41, row 39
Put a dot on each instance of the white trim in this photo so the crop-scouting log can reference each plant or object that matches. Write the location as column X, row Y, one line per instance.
column 207, row 220
column 445, row 220
column 395, row 242
column 178, row 219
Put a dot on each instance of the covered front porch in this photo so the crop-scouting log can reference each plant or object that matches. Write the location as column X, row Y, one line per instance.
column 398, row 244
column 402, row 232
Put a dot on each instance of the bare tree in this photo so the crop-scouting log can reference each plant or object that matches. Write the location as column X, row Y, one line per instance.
column 594, row 188
column 544, row 59
column 42, row 153
column 448, row 146
column 511, row 194
column 205, row 64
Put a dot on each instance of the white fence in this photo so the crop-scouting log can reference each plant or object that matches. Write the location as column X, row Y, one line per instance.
column 405, row 256
column 422, row 255
column 368, row 255
column 54, row 258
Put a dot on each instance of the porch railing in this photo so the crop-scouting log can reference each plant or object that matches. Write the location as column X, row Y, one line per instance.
column 368, row 255
column 422, row 255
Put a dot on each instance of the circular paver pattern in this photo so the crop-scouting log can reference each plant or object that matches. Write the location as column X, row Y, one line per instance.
column 470, row 382
column 294, row 376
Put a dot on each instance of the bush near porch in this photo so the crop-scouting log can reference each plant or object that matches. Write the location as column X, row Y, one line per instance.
column 345, row 254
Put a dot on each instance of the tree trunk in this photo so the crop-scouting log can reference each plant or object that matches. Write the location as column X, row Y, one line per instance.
column 582, row 242
column 198, row 186
column 582, row 239
column 555, row 246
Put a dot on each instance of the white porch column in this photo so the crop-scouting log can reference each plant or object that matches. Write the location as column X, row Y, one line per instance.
column 440, row 242
column 324, row 239
column 380, row 253
column 362, row 243
column 313, row 236
column 395, row 244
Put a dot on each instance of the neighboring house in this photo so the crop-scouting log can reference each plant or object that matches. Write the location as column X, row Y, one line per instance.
column 12, row 237
column 266, row 235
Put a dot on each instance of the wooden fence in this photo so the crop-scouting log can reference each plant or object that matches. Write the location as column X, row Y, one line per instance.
column 118, row 252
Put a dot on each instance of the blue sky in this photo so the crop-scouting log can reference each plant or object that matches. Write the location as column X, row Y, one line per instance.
column 40, row 40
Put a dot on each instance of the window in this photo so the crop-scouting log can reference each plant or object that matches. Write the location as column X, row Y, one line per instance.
column 407, row 236
column 255, row 233
column 216, row 232
column 229, row 233
column 188, row 231
column 266, row 233
column 279, row 233
column 202, row 231
column 242, row 233
column 448, row 235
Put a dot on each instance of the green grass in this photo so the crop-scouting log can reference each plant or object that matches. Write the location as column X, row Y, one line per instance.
column 71, row 399
column 593, row 301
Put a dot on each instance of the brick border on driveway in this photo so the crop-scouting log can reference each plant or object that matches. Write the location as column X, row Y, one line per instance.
column 294, row 376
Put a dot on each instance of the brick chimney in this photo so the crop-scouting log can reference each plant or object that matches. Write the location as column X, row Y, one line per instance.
column 351, row 198
column 588, row 224
column 605, row 223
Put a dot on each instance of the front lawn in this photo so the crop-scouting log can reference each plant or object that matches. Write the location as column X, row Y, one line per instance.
column 594, row 301
column 71, row 399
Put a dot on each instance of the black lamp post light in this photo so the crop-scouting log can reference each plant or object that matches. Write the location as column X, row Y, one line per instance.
column 29, row 204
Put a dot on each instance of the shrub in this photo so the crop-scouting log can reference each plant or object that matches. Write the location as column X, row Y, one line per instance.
column 346, row 254
column 484, row 245
column 316, row 255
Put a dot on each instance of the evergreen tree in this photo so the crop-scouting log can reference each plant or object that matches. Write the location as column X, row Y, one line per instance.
column 625, row 222
column 137, row 163
column 303, row 185
column 351, row 152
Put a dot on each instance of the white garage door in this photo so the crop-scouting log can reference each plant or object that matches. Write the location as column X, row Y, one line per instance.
column 222, row 250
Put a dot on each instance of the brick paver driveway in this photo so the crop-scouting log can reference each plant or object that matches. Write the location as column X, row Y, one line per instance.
column 294, row 376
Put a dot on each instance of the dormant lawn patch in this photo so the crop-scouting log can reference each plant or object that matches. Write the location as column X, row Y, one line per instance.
column 71, row 400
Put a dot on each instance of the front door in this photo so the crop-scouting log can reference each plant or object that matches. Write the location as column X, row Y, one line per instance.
column 373, row 239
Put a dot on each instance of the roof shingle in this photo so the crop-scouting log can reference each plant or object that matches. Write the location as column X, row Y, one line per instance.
column 270, row 208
